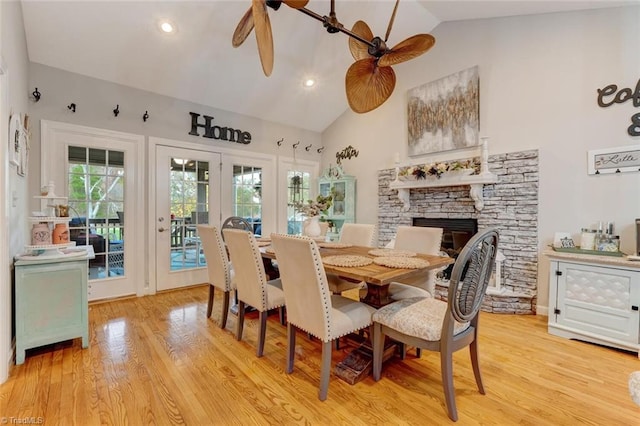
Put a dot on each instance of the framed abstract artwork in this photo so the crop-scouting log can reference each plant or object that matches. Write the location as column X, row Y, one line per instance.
column 15, row 135
column 444, row 115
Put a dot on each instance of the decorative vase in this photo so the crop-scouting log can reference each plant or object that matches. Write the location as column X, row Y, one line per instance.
column 40, row 234
column 60, row 234
column 312, row 227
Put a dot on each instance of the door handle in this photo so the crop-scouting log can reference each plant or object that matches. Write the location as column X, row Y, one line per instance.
column 161, row 229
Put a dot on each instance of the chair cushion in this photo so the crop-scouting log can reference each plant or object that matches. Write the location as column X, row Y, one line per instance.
column 275, row 295
column 347, row 316
column 399, row 291
column 420, row 317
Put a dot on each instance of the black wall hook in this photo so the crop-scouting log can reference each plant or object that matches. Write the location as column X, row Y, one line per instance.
column 308, row 147
column 72, row 107
column 36, row 95
column 280, row 141
column 295, row 145
column 145, row 116
column 320, row 150
column 117, row 110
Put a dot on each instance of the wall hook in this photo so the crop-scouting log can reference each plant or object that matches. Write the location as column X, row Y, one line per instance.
column 145, row 116
column 72, row 107
column 295, row 145
column 280, row 141
column 117, row 110
column 36, row 95
column 308, row 147
column 320, row 150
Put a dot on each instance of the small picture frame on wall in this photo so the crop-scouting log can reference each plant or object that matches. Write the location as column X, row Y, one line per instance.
column 15, row 132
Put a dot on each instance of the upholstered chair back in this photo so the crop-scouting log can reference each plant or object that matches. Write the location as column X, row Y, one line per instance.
column 216, row 256
column 358, row 234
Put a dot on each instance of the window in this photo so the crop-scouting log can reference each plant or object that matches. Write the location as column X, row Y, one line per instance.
column 298, row 190
column 96, row 202
column 247, row 195
column 189, row 181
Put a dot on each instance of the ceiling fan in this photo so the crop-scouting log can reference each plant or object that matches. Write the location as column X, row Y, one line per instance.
column 370, row 80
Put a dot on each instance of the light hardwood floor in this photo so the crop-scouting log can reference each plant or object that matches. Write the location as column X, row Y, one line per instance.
column 158, row 360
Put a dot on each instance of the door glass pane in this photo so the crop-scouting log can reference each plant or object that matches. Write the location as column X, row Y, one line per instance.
column 189, row 187
column 297, row 190
column 247, row 195
column 96, row 207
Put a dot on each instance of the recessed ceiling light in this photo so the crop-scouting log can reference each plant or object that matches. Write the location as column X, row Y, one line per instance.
column 309, row 82
column 167, row 27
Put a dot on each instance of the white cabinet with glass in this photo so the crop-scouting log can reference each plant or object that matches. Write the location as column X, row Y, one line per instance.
column 343, row 206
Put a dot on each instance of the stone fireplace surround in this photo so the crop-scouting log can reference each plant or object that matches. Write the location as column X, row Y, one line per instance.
column 510, row 205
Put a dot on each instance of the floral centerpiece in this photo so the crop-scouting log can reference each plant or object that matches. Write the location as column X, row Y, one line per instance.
column 436, row 170
column 312, row 208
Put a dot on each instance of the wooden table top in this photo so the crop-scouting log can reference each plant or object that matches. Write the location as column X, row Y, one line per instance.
column 373, row 273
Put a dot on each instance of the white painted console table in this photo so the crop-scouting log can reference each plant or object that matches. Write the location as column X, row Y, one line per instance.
column 595, row 299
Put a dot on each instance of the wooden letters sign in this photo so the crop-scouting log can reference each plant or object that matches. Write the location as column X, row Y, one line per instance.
column 217, row 132
column 621, row 96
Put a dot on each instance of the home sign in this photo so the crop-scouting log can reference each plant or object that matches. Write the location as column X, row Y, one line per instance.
column 610, row 95
column 216, row 132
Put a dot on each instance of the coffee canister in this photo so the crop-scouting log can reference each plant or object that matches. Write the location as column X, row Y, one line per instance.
column 40, row 234
column 60, row 234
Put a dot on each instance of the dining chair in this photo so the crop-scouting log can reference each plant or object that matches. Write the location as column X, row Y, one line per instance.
column 221, row 273
column 251, row 282
column 358, row 234
column 236, row 222
column 419, row 239
column 310, row 305
column 445, row 327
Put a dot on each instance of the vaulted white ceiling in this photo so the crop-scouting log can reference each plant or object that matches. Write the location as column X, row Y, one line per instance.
column 119, row 41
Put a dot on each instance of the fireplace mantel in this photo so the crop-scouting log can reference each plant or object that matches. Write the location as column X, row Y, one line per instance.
column 476, row 182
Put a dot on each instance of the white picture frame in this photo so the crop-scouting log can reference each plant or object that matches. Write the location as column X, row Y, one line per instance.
column 14, row 145
column 613, row 160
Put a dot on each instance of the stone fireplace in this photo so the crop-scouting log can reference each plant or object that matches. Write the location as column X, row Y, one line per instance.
column 510, row 205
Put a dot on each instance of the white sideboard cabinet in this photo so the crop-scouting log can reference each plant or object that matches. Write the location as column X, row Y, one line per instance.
column 51, row 302
column 595, row 299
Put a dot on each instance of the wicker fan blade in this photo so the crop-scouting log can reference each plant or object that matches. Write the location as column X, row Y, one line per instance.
column 296, row 4
column 368, row 85
column 408, row 49
column 358, row 49
column 263, row 35
column 244, row 28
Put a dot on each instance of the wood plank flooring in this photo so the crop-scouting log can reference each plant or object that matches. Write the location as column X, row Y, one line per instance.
column 158, row 360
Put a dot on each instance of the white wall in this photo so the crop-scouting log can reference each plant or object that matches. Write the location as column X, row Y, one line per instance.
column 538, row 81
column 168, row 117
column 13, row 51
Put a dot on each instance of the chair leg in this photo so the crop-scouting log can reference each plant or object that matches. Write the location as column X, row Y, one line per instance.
column 324, row 370
column 262, row 333
column 378, row 348
column 446, row 368
column 291, row 346
column 418, row 352
column 473, row 349
column 281, row 312
column 240, row 323
column 225, row 310
column 403, row 351
column 210, row 302
column 337, row 344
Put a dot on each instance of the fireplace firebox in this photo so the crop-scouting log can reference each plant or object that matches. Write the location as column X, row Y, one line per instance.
column 455, row 234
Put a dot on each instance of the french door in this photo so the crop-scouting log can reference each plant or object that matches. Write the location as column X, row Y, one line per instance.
column 187, row 193
column 101, row 172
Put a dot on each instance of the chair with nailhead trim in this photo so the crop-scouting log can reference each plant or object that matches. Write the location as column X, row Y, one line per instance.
column 221, row 274
column 358, row 234
column 251, row 281
column 310, row 305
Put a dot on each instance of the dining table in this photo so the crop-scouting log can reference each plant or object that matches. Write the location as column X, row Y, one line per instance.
column 358, row 363
column 377, row 277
